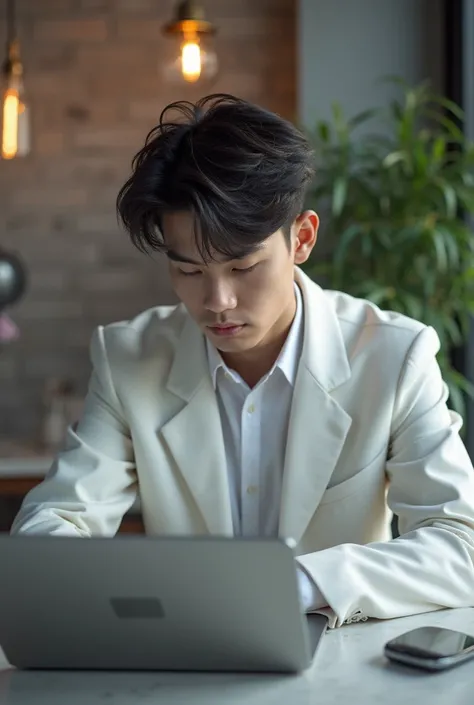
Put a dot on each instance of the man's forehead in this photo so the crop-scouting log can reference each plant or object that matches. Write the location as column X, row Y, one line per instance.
column 183, row 243
column 180, row 231
column 179, row 237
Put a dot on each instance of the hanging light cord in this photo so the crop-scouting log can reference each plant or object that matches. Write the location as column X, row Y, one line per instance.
column 11, row 21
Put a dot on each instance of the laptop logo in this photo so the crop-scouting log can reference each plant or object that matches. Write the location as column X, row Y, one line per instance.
column 137, row 607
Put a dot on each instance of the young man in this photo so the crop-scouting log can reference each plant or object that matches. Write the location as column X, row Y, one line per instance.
column 263, row 405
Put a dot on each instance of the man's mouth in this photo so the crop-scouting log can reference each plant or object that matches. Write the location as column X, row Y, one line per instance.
column 226, row 328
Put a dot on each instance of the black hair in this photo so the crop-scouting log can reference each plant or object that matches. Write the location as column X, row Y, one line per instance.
column 241, row 170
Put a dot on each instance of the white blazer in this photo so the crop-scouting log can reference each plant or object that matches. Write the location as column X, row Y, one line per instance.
column 369, row 434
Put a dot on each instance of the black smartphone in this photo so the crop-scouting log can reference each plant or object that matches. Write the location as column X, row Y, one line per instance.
column 431, row 648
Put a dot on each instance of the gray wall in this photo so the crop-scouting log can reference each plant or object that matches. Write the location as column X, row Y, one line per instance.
column 346, row 46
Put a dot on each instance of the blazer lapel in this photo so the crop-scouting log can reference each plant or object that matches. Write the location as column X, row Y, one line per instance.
column 318, row 424
column 194, row 436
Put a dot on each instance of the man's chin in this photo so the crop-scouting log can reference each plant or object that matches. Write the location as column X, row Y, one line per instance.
column 232, row 346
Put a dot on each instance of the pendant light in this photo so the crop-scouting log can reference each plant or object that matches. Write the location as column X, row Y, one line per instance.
column 194, row 60
column 15, row 114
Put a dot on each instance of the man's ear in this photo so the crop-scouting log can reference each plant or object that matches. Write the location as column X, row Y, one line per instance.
column 306, row 230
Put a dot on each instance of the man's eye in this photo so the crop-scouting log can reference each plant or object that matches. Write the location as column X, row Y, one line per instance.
column 245, row 270
column 189, row 274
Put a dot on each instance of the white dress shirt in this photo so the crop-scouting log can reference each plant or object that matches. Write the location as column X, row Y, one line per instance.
column 254, row 426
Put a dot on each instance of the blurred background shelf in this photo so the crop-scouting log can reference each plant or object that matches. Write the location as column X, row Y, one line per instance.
column 24, row 466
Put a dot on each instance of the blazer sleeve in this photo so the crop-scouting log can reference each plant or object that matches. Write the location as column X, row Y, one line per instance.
column 92, row 482
column 431, row 491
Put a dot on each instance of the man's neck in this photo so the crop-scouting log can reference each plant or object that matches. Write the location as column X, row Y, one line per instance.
column 254, row 364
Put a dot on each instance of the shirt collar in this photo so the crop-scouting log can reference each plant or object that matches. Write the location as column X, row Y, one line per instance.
column 287, row 360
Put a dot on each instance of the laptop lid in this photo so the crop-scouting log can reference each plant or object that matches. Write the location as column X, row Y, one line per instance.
column 135, row 602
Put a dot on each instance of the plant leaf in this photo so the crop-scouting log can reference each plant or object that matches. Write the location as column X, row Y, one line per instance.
column 378, row 296
column 450, row 105
column 440, row 247
column 439, row 148
column 453, row 331
column 339, row 196
column 361, row 117
column 345, row 240
column 451, row 245
column 450, row 198
column 413, row 306
column 394, row 158
column 456, row 399
column 456, row 134
column 324, row 131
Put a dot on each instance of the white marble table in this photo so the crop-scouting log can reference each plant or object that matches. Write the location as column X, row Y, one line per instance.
column 349, row 668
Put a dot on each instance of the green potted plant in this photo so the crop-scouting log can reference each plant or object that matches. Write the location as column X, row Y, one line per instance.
column 394, row 201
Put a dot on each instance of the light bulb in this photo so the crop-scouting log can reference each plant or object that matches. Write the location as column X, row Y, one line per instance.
column 11, row 105
column 191, row 61
column 15, row 125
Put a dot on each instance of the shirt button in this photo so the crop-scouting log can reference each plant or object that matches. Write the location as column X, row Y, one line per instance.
column 251, row 409
column 252, row 489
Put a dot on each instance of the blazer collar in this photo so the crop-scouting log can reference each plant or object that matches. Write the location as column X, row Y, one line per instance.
column 324, row 352
column 189, row 368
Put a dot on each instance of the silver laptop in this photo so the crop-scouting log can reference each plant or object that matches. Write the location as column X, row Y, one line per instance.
column 144, row 603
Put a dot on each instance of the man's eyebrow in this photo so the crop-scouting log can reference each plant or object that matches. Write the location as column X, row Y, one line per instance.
column 176, row 257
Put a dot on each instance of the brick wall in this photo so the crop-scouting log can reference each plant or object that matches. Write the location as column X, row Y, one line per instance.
column 93, row 80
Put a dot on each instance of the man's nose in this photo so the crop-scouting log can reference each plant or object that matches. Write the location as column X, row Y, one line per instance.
column 220, row 296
